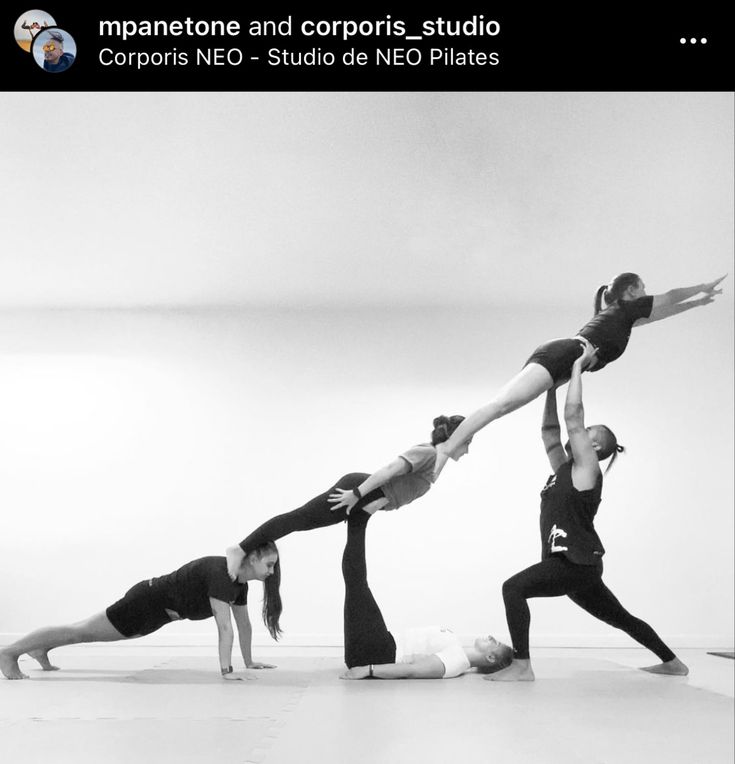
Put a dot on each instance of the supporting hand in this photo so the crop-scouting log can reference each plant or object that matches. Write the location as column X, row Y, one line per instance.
column 588, row 356
column 342, row 498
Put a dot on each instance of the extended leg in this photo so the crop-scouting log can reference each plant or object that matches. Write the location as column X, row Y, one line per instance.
column 554, row 577
column 316, row 513
column 367, row 639
column 37, row 644
column 528, row 384
column 600, row 602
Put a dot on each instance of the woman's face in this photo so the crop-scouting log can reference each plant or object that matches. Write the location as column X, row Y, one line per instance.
column 636, row 291
column 260, row 567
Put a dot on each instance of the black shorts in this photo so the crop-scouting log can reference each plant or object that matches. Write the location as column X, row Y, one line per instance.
column 138, row 613
column 557, row 357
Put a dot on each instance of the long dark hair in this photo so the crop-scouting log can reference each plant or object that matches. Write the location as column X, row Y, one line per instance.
column 272, row 605
column 613, row 291
column 444, row 426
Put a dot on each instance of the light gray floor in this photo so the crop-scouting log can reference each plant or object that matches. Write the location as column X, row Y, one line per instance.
column 150, row 704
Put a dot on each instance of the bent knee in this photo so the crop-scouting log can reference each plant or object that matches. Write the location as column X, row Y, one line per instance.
column 351, row 480
column 512, row 588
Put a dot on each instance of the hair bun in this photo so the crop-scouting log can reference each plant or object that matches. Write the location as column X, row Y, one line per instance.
column 440, row 420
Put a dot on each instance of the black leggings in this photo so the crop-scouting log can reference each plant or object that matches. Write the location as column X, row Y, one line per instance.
column 317, row 513
column 367, row 639
column 555, row 577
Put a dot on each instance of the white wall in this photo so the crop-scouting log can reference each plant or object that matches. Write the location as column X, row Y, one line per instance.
column 133, row 441
column 315, row 199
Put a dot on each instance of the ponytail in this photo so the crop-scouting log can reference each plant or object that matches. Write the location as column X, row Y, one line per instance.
column 614, row 290
column 610, row 448
column 600, row 295
column 617, row 450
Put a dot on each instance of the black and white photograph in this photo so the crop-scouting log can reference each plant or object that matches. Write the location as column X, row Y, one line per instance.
column 366, row 426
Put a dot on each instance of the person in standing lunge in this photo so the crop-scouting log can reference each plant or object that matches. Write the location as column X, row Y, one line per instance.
column 571, row 556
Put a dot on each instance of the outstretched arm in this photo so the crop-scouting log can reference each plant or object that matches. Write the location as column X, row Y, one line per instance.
column 551, row 433
column 586, row 466
column 672, row 302
column 428, row 667
column 343, row 498
column 666, row 311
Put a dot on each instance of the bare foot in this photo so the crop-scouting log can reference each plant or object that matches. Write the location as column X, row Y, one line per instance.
column 356, row 672
column 9, row 666
column 235, row 556
column 42, row 657
column 674, row 667
column 518, row 671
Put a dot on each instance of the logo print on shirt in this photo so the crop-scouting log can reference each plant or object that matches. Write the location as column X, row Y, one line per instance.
column 554, row 535
column 550, row 483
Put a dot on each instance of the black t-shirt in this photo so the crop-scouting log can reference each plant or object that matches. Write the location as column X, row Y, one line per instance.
column 188, row 589
column 609, row 331
column 567, row 517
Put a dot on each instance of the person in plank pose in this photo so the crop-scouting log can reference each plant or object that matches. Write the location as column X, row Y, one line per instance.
column 198, row 590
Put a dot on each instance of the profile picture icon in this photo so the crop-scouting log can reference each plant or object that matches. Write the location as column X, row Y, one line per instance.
column 54, row 50
column 30, row 24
